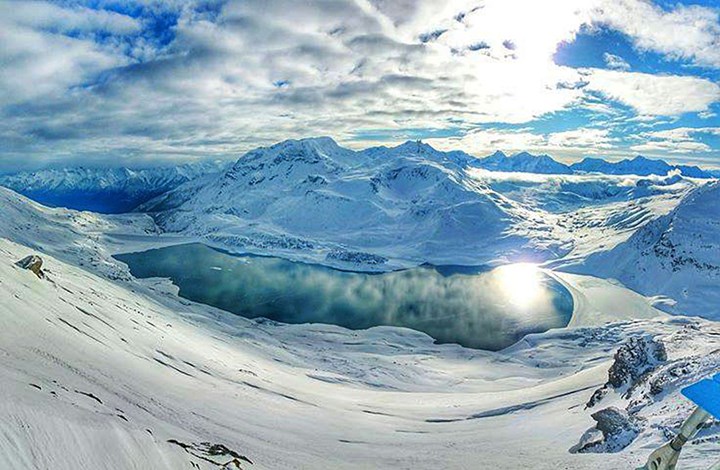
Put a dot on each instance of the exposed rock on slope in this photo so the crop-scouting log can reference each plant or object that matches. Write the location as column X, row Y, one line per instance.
column 33, row 263
column 614, row 430
column 643, row 387
column 634, row 359
column 639, row 165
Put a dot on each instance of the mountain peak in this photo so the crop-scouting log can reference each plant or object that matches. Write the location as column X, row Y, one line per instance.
column 523, row 162
column 416, row 146
column 524, row 155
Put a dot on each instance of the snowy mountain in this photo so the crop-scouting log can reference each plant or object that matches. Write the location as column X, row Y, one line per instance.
column 522, row 162
column 639, row 165
column 410, row 202
column 96, row 361
column 105, row 190
column 676, row 256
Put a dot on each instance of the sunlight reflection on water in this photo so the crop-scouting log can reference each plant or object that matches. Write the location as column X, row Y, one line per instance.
column 486, row 309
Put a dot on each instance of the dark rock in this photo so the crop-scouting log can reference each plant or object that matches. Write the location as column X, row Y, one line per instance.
column 357, row 257
column 612, row 421
column 597, row 396
column 33, row 263
column 634, row 359
column 614, row 430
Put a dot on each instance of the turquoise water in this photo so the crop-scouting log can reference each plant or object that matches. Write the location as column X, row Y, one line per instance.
column 484, row 309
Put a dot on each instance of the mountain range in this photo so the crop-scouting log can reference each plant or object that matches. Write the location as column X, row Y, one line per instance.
column 105, row 190
column 117, row 190
column 409, row 201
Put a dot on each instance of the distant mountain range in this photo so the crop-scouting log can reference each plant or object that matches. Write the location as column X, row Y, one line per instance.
column 105, row 190
column 116, row 190
column 638, row 166
column 522, row 162
column 676, row 255
column 544, row 164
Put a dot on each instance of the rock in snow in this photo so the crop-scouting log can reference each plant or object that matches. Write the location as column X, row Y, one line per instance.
column 32, row 263
column 634, row 359
column 614, row 431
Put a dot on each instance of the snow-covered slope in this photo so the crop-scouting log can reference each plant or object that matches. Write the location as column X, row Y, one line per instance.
column 522, row 162
column 408, row 203
column 120, row 373
column 676, row 255
column 105, row 190
column 639, row 165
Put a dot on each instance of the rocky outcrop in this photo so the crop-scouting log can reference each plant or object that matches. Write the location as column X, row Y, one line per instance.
column 356, row 257
column 614, row 430
column 210, row 453
column 33, row 263
column 633, row 366
column 632, row 361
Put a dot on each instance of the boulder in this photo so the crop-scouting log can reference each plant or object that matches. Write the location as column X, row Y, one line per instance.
column 614, row 430
column 33, row 263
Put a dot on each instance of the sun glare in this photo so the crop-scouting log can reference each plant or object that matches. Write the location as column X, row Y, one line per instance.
column 520, row 283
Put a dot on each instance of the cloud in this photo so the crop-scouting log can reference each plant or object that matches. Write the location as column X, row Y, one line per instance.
column 53, row 18
column 581, row 138
column 184, row 79
column 648, row 94
column 567, row 144
column 680, row 140
column 686, row 32
column 615, row 62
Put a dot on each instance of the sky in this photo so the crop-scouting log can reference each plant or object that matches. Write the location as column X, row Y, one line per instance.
column 150, row 82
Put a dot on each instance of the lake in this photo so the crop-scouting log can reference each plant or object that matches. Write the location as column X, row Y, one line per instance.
column 471, row 306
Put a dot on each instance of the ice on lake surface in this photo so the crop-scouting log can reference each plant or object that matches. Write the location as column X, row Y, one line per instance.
column 475, row 307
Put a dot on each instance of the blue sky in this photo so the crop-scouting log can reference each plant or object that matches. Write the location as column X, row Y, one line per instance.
column 141, row 83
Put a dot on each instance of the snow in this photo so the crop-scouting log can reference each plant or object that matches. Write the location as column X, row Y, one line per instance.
column 522, row 162
column 639, row 165
column 101, row 370
column 382, row 397
column 107, row 190
column 676, row 255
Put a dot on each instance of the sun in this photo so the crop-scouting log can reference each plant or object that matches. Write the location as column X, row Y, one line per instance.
column 520, row 283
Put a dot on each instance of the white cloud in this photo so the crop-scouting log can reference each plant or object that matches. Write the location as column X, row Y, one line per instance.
column 680, row 140
column 685, row 32
column 257, row 71
column 39, row 14
column 581, row 138
column 654, row 94
column 38, row 59
column 615, row 62
column 570, row 144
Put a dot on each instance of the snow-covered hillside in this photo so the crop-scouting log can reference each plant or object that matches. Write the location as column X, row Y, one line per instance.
column 107, row 372
column 311, row 195
column 106, row 190
column 676, row 255
column 383, row 208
